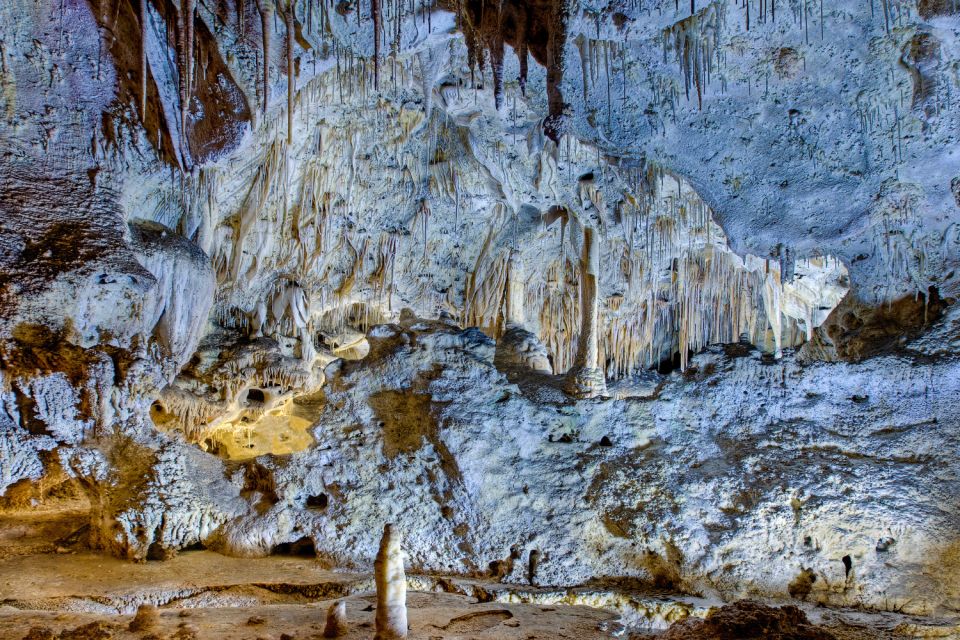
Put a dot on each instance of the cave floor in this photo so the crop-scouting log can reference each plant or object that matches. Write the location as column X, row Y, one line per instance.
column 207, row 595
column 431, row 616
column 216, row 596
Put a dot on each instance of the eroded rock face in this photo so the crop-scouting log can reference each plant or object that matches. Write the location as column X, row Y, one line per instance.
column 933, row 8
column 520, row 350
column 737, row 474
column 855, row 331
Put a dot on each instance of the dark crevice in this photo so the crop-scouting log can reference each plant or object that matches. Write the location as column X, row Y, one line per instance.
column 302, row 547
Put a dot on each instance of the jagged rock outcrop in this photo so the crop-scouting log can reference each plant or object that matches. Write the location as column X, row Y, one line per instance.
column 749, row 621
column 855, row 331
column 520, row 350
column 739, row 473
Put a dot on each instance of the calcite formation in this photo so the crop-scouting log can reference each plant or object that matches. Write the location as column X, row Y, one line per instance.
column 652, row 295
column 391, row 620
column 336, row 624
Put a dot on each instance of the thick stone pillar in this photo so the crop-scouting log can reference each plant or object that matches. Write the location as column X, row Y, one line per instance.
column 514, row 312
column 586, row 379
column 391, row 618
column 518, row 350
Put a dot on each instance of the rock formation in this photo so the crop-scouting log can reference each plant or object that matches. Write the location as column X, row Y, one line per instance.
column 336, row 624
column 146, row 619
column 585, row 378
column 750, row 621
column 391, row 620
column 651, row 294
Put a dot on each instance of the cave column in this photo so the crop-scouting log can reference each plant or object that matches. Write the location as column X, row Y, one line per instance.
column 514, row 313
column 772, row 291
column 586, row 379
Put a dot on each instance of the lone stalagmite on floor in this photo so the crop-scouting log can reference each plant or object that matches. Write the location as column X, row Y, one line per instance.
column 391, row 621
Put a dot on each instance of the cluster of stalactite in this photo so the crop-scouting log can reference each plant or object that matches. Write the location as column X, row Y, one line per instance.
column 206, row 399
column 537, row 28
column 676, row 289
column 155, row 44
column 297, row 235
column 694, row 41
column 305, row 212
column 899, row 238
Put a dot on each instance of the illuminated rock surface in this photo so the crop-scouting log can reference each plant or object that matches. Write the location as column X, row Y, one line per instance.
column 637, row 308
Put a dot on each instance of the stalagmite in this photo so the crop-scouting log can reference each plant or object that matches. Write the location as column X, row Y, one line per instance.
column 533, row 563
column 586, row 379
column 391, row 617
column 336, row 625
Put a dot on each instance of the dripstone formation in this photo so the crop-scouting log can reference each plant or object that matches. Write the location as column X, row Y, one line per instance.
column 621, row 312
column 391, row 620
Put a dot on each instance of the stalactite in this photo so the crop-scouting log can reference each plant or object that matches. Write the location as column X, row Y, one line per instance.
column 496, row 67
column 182, row 65
column 583, row 49
column 290, row 19
column 375, row 14
column 694, row 42
column 186, row 36
column 265, row 8
column 144, row 16
column 606, row 66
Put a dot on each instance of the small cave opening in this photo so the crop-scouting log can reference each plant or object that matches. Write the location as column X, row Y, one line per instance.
column 847, row 565
column 157, row 552
column 212, row 446
column 301, row 548
column 158, row 413
column 318, row 502
column 670, row 363
column 256, row 396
